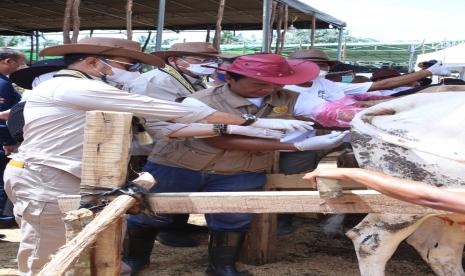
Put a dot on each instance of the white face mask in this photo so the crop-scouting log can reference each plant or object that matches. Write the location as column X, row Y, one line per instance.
column 322, row 73
column 199, row 70
column 121, row 78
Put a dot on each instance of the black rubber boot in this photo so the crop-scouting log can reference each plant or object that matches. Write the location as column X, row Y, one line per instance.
column 223, row 251
column 140, row 244
column 177, row 234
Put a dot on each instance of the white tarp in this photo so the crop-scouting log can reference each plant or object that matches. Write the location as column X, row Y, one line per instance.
column 453, row 57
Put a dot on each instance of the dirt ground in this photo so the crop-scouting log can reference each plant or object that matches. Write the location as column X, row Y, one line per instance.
column 305, row 252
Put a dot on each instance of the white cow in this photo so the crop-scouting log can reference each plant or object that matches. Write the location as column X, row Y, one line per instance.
column 419, row 137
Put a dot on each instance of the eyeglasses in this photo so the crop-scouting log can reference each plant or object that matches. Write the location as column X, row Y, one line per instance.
column 128, row 66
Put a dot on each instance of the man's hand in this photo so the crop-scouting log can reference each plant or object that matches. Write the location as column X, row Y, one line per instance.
column 255, row 132
column 438, row 69
column 9, row 149
column 293, row 125
column 322, row 142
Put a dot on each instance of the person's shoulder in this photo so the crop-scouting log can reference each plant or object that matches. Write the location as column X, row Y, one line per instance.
column 209, row 92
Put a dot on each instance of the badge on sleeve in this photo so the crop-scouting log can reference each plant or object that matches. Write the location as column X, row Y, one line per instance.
column 280, row 109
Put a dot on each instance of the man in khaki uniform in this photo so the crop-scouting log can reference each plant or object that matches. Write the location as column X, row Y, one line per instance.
column 182, row 76
column 254, row 87
column 48, row 163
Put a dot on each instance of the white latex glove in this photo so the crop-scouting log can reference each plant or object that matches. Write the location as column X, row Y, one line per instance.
column 322, row 142
column 438, row 69
column 293, row 125
column 255, row 132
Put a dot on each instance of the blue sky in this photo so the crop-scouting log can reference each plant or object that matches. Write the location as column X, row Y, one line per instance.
column 390, row 20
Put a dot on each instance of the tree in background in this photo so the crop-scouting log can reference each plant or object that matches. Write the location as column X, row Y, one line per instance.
column 12, row 41
column 323, row 36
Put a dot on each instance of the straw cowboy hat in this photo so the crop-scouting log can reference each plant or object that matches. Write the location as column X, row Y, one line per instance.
column 105, row 46
column 273, row 68
column 313, row 55
column 200, row 49
column 24, row 77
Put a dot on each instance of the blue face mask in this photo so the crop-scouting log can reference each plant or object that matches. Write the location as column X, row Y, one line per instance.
column 347, row 79
column 220, row 76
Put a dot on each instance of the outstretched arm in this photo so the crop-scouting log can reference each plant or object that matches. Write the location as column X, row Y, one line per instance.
column 406, row 190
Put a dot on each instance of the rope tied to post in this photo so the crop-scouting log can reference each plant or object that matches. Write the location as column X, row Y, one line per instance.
column 100, row 199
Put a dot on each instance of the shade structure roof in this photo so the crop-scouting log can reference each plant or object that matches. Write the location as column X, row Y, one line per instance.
column 25, row 16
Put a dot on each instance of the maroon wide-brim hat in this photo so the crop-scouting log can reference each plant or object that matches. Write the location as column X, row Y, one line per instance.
column 273, row 68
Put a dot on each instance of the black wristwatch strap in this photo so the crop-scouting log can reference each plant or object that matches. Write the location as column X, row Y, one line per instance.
column 249, row 119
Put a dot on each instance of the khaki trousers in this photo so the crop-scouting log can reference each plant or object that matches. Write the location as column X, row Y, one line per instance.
column 42, row 228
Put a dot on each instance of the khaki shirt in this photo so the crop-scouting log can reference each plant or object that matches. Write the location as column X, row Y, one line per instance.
column 195, row 154
column 55, row 118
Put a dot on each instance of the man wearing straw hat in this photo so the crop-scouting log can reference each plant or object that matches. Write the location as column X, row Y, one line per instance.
column 48, row 163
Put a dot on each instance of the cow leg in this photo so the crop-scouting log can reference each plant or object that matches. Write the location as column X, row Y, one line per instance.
column 440, row 244
column 376, row 238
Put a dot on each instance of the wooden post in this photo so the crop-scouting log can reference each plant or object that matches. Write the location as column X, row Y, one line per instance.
column 67, row 21
column 107, row 138
column 129, row 19
column 312, row 36
column 71, row 251
column 76, row 21
column 75, row 221
column 219, row 19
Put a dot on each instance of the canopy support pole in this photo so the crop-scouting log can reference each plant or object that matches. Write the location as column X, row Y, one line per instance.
column 266, row 26
column 32, row 48
column 339, row 44
column 37, row 46
column 312, row 33
column 161, row 22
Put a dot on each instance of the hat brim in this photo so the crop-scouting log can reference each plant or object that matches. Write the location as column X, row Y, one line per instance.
column 328, row 61
column 166, row 54
column 139, row 56
column 303, row 72
column 24, row 77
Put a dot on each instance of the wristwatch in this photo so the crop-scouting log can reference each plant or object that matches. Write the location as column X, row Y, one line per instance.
column 249, row 119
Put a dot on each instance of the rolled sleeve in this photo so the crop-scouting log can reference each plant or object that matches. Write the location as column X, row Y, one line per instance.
column 162, row 130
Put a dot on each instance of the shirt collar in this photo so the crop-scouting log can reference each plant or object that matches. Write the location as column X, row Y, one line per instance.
column 4, row 78
column 238, row 101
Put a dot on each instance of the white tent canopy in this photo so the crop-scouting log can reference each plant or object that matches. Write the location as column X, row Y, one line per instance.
column 452, row 57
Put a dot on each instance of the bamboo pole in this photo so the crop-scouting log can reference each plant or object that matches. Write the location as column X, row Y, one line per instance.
column 274, row 6
column 283, row 36
column 67, row 21
column 312, row 37
column 278, row 28
column 76, row 21
column 129, row 19
column 219, row 19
